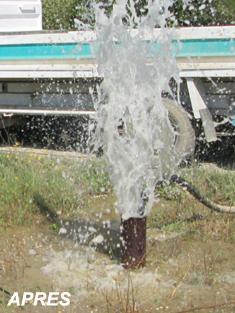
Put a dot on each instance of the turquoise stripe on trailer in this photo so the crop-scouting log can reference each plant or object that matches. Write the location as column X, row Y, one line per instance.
column 204, row 48
column 184, row 48
column 45, row 51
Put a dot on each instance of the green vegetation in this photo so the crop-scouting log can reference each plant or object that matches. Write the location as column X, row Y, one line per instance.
column 218, row 184
column 63, row 185
column 31, row 182
column 202, row 13
column 179, row 211
column 60, row 14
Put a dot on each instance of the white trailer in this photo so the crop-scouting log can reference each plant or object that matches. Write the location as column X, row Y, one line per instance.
column 52, row 73
column 20, row 15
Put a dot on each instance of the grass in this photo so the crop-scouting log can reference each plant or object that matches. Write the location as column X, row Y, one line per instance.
column 65, row 185
column 62, row 184
column 217, row 184
column 181, row 212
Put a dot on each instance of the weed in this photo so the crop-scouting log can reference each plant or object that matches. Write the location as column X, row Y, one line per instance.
column 218, row 184
column 12, row 257
column 171, row 192
column 122, row 300
column 63, row 184
column 179, row 211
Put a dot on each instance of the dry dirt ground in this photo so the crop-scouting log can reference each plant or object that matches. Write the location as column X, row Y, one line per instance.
column 184, row 272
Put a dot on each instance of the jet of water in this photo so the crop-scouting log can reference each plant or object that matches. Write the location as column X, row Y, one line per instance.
column 136, row 133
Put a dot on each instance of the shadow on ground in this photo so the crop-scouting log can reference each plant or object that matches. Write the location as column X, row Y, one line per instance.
column 104, row 236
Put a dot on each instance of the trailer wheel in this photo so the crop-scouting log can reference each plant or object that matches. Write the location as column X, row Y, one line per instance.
column 177, row 141
column 185, row 135
column 177, row 137
column 180, row 125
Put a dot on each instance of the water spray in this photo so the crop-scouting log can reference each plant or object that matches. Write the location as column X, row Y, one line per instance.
column 137, row 68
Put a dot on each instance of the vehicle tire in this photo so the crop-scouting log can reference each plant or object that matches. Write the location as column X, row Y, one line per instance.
column 179, row 133
column 175, row 143
column 185, row 135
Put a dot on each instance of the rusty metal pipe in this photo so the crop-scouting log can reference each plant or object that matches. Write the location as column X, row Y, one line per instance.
column 133, row 235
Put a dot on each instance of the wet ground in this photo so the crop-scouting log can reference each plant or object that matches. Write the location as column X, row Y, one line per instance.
column 184, row 272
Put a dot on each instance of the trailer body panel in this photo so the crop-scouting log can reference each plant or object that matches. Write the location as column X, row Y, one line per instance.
column 57, row 72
